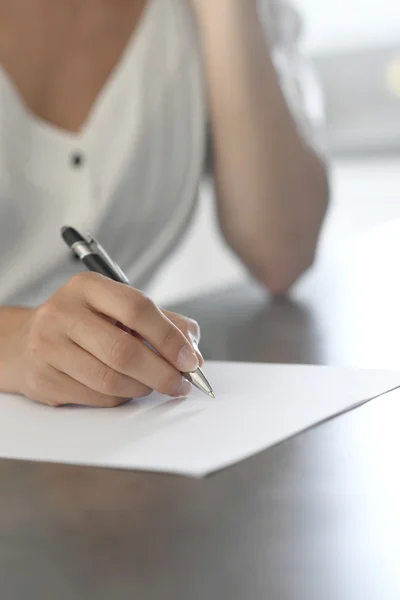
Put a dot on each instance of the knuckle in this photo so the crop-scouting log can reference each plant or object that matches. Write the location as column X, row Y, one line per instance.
column 142, row 305
column 42, row 329
column 81, row 286
column 81, row 280
column 109, row 381
column 48, row 320
column 123, row 352
column 47, row 313
column 169, row 336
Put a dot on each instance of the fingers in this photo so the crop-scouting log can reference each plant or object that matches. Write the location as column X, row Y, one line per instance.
column 126, row 354
column 87, row 345
column 134, row 310
column 57, row 389
column 78, row 364
column 190, row 329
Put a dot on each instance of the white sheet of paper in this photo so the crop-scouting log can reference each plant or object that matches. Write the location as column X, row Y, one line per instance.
column 256, row 406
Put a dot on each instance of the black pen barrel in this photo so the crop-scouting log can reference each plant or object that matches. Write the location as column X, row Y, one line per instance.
column 97, row 264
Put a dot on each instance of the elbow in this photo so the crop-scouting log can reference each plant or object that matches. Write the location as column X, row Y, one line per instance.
column 276, row 264
column 278, row 261
column 278, row 251
column 290, row 255
column 278, row 273
column 279, row 281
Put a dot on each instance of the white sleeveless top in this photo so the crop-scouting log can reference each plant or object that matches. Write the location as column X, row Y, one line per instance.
column 130, row 175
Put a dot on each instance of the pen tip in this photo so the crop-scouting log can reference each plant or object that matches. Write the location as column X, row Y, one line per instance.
column 212, row 395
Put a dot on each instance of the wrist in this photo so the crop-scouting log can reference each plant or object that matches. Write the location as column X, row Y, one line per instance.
column 13, row 325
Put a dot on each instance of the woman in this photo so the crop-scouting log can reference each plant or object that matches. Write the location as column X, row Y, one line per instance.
column 103, row 118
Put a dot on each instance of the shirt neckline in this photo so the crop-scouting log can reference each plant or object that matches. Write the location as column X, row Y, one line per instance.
column 133, row 46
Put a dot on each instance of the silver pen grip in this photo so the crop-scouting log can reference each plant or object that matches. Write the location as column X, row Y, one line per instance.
column 200, row 381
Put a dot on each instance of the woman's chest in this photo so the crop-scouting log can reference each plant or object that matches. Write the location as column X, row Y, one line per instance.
column 59, row 55
column 141, row 156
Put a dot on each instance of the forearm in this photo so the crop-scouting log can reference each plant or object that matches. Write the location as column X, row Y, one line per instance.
column 12, row 321
column 271, row 186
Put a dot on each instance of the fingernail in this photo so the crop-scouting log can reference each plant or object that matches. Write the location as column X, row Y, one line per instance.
column 187, row 360
column 184, row 389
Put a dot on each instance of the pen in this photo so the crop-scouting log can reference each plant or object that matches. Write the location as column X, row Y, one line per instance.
column 96, row 259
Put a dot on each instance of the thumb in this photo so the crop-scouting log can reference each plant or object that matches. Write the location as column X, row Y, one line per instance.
column 190, row 329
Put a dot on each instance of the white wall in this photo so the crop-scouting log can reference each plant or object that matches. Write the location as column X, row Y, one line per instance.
column 356, row 50
column 348, row 24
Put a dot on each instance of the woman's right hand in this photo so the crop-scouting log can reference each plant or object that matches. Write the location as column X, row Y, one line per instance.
column 71, row 353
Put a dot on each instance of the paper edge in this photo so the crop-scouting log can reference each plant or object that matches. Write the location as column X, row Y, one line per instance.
column 202, row 474
column 282, row 440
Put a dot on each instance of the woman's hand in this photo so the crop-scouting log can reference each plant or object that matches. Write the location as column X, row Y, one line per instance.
column 71, row 353
column 189, row 328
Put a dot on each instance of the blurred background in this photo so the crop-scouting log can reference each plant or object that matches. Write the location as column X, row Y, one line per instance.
column 354, row 48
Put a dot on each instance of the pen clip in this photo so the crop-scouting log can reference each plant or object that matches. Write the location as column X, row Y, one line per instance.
column 96, row 247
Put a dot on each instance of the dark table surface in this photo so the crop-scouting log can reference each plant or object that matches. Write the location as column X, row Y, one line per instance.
column 316, row 517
